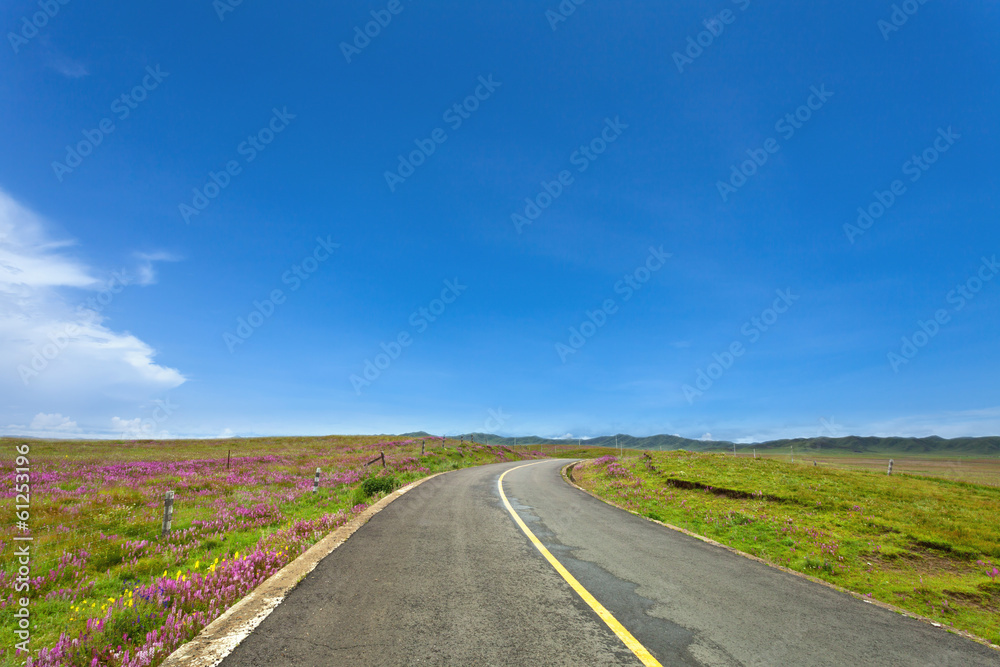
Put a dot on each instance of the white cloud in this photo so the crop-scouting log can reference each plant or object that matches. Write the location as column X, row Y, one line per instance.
column 126, row 425
column 69, row 68
column 707, row 436
column 56, row 60
column 54, row 354
column 53, row 422
column 144, row 271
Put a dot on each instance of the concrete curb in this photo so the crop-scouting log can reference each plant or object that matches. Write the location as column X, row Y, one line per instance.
column 220, row 637
column 567, row 475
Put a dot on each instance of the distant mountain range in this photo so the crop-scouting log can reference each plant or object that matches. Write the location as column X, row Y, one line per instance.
column 932, row 445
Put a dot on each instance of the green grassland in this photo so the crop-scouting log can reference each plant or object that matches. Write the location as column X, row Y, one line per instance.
column 928, row 545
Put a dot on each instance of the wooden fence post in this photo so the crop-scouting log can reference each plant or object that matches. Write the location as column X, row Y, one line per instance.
column 316, row 481
column 421, row 447
column 168, row 512
column 383, row 458
column 228, row 455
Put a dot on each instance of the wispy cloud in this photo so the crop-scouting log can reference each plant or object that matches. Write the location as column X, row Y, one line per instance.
column 145, row 272
column 54, row 59
column 54, row 355
column 69, row 68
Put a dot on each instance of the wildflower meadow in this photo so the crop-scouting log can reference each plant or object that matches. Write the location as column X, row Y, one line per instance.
column 107, row 588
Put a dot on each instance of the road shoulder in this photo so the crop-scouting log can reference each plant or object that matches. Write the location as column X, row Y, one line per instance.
column 219, row 638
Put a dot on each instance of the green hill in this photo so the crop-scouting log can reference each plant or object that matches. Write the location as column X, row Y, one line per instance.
column 929, row 446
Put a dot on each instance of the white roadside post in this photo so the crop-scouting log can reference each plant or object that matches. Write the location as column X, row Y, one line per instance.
column 316, row 481
column 889, row 471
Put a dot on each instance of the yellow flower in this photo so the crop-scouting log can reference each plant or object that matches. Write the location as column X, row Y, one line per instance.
column 196, row 564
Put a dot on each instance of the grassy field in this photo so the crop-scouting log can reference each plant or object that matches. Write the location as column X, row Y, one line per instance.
column 928, row 545
column 107, row 589
column 962, row 468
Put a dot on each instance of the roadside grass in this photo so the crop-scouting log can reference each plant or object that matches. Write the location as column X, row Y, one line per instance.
column 928, row 545
column 107, row 589
column 973, row 469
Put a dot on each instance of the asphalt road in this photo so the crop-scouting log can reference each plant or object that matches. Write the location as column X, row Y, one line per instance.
column 443, row 576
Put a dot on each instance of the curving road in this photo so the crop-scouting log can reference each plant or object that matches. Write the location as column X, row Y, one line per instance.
column 444, row 576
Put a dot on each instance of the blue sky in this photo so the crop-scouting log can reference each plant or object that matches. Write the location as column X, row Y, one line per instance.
column 590, row 174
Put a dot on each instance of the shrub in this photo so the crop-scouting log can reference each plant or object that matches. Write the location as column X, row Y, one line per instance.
column 374, row 485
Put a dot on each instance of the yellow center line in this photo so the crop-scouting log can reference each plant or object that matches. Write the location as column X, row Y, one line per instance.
column 631, row 642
